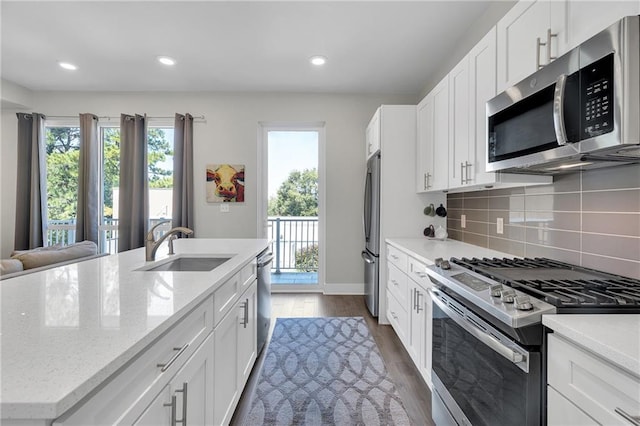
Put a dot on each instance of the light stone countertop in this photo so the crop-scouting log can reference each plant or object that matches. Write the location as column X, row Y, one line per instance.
column 67, row 329
column 615, row 338
column 428, row 250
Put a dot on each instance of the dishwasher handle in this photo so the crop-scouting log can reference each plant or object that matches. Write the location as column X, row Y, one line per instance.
column 265, row 260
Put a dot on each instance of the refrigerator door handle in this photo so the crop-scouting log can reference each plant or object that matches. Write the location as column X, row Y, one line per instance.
column 367, row 257
column 366, row 214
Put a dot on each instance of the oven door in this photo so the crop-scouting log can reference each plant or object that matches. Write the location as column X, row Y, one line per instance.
column 480, row 376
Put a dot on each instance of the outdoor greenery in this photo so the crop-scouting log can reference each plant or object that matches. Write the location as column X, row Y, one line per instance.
column 297, row 196
column 63, row 153
column 307, row 259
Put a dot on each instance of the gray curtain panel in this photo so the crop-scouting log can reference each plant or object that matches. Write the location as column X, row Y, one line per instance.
column 88, row 210
column 31, row 191
column 183, row 171
column 133, row 211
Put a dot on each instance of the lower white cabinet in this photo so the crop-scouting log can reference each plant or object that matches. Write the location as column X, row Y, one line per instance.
column 586, row 389
column 187, row 397
column 234, row 354
column 409, row 307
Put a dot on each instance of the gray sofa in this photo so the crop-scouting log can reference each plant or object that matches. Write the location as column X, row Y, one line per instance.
column 28, row 261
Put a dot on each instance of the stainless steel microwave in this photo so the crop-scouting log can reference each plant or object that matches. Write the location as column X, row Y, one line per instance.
column 581, row 111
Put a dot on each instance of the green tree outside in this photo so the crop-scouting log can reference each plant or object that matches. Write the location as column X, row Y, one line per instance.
column 297, row 195
column 63, row 153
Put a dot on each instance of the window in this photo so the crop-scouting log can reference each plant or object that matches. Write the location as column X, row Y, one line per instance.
column 63, row 149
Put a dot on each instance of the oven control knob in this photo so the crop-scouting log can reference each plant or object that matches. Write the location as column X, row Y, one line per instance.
column 445, row 264
column 496, row 290
column 508, row 295
column 523, row 303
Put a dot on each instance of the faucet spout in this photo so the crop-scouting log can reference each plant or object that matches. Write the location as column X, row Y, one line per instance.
column 151, row 245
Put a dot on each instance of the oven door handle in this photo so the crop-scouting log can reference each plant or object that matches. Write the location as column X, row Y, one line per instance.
column 520, row 360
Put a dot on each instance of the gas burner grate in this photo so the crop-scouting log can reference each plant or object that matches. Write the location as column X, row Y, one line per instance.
column 560, row 284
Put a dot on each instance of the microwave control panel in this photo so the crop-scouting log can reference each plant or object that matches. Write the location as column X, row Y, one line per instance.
column 596, row 81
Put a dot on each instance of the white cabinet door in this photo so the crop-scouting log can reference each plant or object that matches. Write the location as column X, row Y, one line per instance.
column 440, row 125
column 372, row 137
column 482, row 87
column 226, row 362
column 459, row 124
column 426, row 357
column 247, row 339
column 424, row 144
column 584, row 19
column 562, row 412
column 193, row 387
column 416, row 323
column 519, row 53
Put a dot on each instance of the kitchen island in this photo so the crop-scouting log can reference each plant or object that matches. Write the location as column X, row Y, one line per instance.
column 70, row 332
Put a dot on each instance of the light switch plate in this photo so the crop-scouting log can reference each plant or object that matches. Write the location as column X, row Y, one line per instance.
column 463, row 221
column 224, row 208
column 500, row 226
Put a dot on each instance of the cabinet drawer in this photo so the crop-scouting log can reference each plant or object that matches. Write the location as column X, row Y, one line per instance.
column 226, row 294
column 417, row 271
column 397, row 283
column 595, row 386
column 398, row 317
column 137, row 384
column 397, row 257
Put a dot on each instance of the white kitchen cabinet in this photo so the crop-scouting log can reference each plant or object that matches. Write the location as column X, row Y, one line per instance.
column 460, row 147
column 424, row 145
column 433, row 139
column 410, row 307
column 527, row 40
column 598, row 389
column 234, row 353
column 584, row 19
column 187, row 398
column 561, row 411
column 372, row 135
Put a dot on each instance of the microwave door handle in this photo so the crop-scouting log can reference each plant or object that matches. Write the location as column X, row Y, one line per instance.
column 558, row 110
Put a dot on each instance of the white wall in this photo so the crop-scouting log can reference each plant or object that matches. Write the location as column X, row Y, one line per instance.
column 229, row 135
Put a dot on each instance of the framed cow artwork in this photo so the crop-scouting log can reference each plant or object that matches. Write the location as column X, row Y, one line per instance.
column 225, row 183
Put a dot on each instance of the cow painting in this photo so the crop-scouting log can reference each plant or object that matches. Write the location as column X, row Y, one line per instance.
column 225, row 183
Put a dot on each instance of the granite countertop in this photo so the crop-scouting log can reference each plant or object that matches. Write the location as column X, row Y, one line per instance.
column 427, row 250
column 67, row 329
column 615, row 338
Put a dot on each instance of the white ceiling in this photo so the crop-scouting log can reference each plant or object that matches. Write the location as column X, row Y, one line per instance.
column 372, row 47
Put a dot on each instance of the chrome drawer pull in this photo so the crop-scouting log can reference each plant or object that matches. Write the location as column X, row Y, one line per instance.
column 634, row 420
column 184, row 404
column 165, row 367
column 172, row 404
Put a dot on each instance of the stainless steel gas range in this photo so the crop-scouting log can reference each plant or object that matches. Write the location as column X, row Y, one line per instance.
column 488, row 338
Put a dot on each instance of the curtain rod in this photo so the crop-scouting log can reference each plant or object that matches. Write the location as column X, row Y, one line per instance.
column 106, row 117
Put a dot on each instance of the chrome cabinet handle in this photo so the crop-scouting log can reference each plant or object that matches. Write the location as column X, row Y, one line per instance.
column 538, row 45
column 394, row 282
column 461, row 173
column 245, row 313
column 467, row 165
column 550, row 35
column 393, row 314
column 172, row 404
column 634, row 420
column 184, row 404
column 558, row 110
column 425, row 181
column 394, row 256
column 164, row 367
column 418, row 307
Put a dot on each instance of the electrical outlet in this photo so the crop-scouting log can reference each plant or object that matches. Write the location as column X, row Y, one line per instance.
column 500, row 226
column 224, row 208
column 463, row 221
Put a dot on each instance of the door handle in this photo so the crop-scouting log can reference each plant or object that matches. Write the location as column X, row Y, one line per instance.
column 367, row 257
column 558, row 110
column 164, row 367
column 184, row 404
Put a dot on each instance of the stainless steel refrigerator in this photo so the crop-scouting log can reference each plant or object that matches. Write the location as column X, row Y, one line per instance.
column 371, row 221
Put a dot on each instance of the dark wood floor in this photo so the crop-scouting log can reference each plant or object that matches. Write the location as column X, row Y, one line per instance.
column 414, row 393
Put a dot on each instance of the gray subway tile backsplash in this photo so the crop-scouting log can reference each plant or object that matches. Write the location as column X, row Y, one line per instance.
column 587, row 218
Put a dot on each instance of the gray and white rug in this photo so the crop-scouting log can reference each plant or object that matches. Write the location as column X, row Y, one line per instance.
column 324, row 371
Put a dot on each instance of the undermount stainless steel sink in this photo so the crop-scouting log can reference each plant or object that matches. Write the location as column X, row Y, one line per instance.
column 184, row 264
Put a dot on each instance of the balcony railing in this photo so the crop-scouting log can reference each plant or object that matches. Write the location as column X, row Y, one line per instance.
column 64, row 232
column 294, row 243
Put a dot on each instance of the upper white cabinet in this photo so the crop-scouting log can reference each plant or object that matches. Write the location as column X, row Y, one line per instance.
column 433, row 139
column 527, row 40
column 460, row 146
column 372, row 138
column 584, row 19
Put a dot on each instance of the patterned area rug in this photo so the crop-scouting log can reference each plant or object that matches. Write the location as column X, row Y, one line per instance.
column 324, row 371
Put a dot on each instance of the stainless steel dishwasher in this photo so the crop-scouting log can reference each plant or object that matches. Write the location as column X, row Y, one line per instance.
column 264, row 296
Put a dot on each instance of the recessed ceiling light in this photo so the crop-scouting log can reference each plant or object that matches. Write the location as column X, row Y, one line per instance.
column 165, row 60
column 318, row 60
column 68, row 66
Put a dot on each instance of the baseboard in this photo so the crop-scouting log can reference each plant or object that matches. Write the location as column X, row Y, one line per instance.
column 344, row 288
